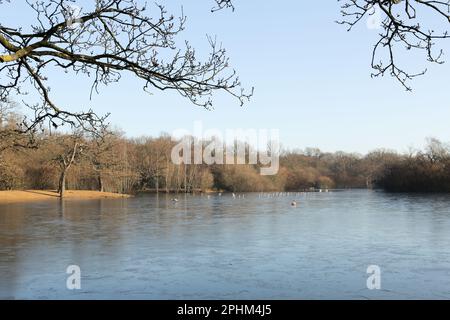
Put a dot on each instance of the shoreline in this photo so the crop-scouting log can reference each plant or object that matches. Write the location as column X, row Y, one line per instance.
column 21, row 196
column 210, row 192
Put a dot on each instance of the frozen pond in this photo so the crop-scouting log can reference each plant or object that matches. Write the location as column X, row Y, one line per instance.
column 255, row 247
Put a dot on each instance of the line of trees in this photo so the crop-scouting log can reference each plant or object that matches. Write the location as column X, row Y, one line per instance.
column 107, row 161
column 422, row 171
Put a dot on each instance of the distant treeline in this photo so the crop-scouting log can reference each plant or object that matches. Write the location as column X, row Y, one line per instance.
column 423, row 171
column 118, row 164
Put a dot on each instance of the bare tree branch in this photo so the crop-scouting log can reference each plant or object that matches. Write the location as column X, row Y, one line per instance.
column 402, row 28
column 105, row 41
column 221, row 4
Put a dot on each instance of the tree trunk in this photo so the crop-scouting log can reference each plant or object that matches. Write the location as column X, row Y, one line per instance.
column 185, row 178
column 65, row 165
column 100, row 183
column 62, row 184
column 369, row 182
column 178, row 179
column 167, row 177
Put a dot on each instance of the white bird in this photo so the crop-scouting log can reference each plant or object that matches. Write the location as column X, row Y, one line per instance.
column 294, row 203
column 174, row 200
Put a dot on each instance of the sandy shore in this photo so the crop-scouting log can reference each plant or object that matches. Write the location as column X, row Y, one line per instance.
column 39, row 195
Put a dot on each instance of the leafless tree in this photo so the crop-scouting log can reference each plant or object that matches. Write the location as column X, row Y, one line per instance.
column 105, row 41
column 102, row 153
column 403, row 28
column 436, row 151
column 70, row 149
column 11, row 134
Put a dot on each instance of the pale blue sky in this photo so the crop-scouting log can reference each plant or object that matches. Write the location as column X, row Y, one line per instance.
column 312, row 81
